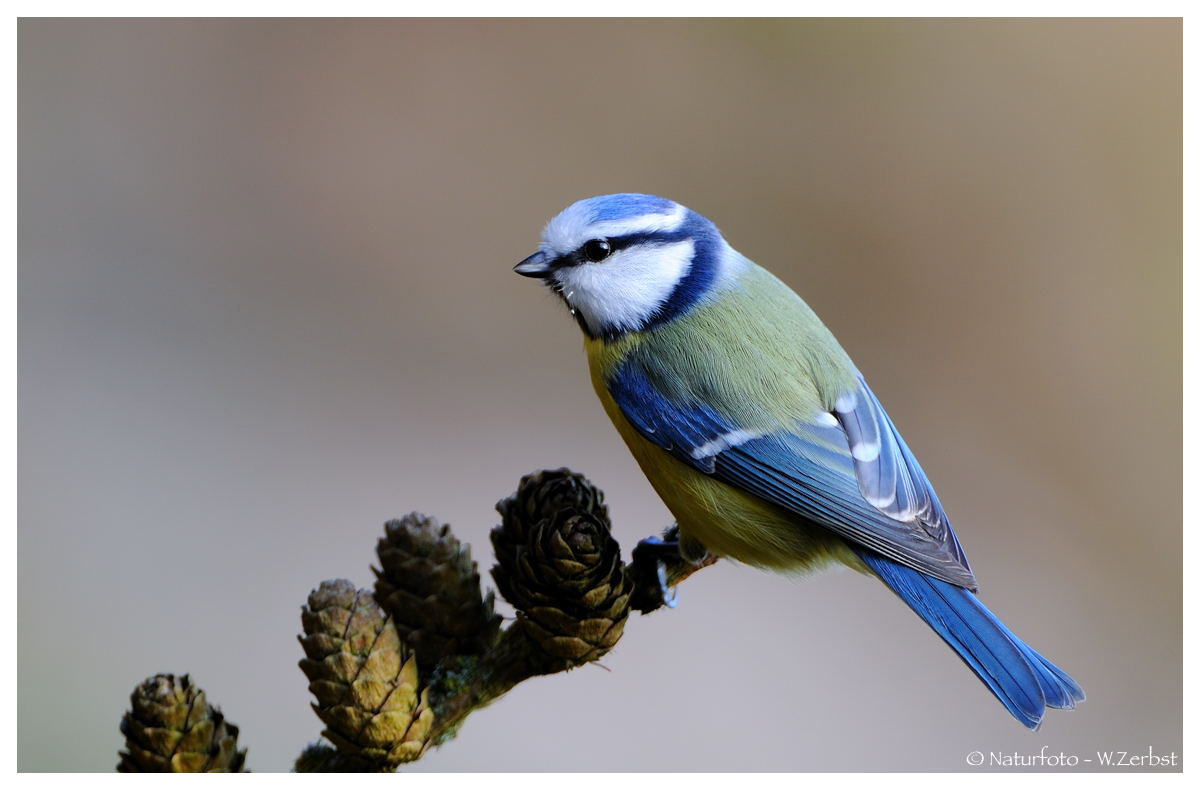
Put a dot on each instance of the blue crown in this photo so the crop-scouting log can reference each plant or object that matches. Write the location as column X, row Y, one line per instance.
column 610, row 208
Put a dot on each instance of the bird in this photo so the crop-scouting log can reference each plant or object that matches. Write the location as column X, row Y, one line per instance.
column 756, row 429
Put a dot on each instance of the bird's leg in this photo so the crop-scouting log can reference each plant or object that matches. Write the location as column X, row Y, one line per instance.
column 660, row 563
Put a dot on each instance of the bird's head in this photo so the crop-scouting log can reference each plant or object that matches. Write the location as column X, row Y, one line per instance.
column 627, row 262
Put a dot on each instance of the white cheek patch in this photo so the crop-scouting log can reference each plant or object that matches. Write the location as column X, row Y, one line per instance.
column 622, row 292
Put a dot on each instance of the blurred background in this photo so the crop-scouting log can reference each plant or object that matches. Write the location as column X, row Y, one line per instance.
column 266, row 304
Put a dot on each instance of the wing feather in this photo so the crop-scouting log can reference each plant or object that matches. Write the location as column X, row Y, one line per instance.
column 851, row 472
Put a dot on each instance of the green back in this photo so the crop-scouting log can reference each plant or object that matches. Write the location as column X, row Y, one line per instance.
column 754, row 353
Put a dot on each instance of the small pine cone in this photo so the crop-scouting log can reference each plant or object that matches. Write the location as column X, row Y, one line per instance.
column 171, row 728
column 364, row 678
column 565, row 576
column 542, row 494
column 429, row 585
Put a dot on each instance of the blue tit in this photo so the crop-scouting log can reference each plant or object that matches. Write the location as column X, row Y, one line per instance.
column 757, row 430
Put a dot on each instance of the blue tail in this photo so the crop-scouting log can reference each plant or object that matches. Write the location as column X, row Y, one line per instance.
column 1022, row 680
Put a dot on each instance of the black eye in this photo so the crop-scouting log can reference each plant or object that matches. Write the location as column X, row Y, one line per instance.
column 597, row 250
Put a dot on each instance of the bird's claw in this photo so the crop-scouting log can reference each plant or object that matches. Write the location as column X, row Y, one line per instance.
column 670, row 595
column 659, row 563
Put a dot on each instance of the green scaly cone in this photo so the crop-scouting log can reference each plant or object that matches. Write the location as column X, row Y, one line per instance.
column 542, row 494
column 563, row 572
column 429, row 585
column 364, row 679
column 171, row 728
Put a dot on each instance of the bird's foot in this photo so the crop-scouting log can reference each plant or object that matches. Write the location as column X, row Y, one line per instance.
column 670, row 596
column 660, row 563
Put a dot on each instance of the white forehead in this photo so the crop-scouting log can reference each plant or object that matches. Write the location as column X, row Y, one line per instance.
column 595, row 218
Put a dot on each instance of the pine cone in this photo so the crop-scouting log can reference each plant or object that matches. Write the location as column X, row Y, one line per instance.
column 542, row 494
column 429, row 585
column 565, row 577
column 171, row 728
column 364, row 678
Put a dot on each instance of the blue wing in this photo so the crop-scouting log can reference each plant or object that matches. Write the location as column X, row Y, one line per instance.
column 846, row 469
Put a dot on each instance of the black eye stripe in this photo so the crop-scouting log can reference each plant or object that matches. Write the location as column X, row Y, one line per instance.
column 616, row 244
column 624, row 242
column 652, row 237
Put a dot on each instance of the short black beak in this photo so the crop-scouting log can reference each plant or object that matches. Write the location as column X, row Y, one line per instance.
column 536, row 265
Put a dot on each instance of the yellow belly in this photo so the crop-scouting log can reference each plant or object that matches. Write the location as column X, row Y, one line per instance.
column 728, row 521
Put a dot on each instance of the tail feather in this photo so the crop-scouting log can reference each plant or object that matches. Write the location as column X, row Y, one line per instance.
column 1060, row 688
column 1024, row 682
